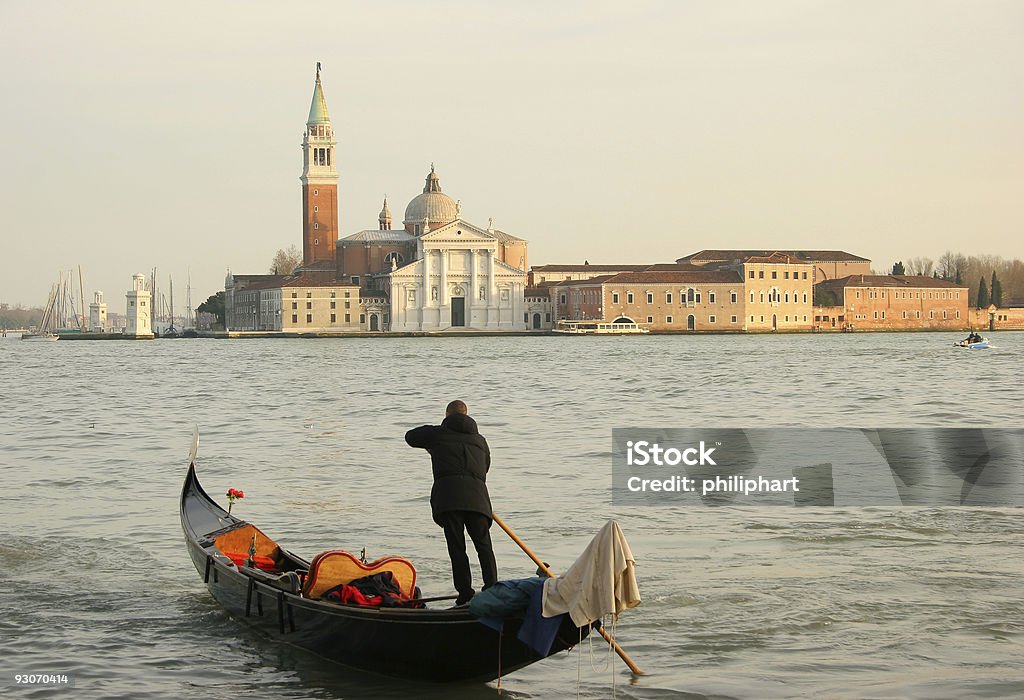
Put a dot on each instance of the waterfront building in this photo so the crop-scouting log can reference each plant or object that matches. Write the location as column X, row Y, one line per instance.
column 993, row 318
column 98, row 314
column 890, row 302
column 302, row 303
column 761, row 293
column 138, row 315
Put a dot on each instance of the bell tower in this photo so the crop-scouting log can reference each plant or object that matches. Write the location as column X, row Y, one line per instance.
column 319, row 182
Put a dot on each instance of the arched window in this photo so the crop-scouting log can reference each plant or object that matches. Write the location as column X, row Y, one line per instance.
column 690, row 295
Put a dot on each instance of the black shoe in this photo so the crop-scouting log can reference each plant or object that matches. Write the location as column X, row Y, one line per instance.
column 464, row 599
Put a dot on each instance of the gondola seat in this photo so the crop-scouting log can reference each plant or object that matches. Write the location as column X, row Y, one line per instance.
column 334, row 567
column 235, row 545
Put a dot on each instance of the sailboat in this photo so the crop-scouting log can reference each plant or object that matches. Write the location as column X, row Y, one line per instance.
column 171, row 331
column 47, row 322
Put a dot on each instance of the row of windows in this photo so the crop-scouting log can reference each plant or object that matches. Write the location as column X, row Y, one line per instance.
column 796, row 318
column 334, row 318
column 711, row 319
column 309, row 305
column 785, row 274
column 777, row 297
column 880, row 294
column 309, row 295
column 320, row 130
column 688, row 296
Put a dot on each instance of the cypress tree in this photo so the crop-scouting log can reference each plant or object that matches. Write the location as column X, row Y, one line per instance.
column 997, row 290
column 898, row 268
column 982, row 294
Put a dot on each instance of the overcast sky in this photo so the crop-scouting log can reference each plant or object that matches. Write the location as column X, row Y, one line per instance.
column 142, row 134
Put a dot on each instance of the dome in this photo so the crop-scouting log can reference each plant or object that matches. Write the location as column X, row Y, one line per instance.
column 432, row 204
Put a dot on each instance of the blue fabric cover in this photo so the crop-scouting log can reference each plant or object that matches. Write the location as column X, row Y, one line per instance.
column 523, row 596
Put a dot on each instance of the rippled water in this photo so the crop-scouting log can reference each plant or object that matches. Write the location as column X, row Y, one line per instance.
column 741, row 603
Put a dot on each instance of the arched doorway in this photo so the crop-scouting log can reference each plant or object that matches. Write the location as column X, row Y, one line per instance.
column 691, row 322
column 536, row 321
column 374, row 322
column 775, row 322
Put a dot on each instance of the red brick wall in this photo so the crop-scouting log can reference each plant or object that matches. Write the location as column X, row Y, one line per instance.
column 319, row 222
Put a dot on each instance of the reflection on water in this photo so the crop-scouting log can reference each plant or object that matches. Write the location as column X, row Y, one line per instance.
column 745, row 603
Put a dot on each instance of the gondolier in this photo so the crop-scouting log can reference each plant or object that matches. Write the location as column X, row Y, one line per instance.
column 459, row 500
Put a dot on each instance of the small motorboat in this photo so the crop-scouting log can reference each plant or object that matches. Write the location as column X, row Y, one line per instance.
column 973, row 342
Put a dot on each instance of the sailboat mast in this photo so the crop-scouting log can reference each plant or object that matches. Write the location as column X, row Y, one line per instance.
column 81, row 294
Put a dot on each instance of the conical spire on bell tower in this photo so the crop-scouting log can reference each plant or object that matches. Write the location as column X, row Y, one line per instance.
column 319, row 182
column 385, row 216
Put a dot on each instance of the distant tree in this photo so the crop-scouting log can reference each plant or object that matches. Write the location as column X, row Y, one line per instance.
column 898, row 268
column 214, row 305
column 285, row 261
column 920, row 266
column 997, row 290
column 982, row 294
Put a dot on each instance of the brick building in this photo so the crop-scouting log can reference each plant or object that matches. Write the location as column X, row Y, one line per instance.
column 890, row 302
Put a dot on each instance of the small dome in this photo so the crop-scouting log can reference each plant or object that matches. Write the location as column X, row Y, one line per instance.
column 432, row 204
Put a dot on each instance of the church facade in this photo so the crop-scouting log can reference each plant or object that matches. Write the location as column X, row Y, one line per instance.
column 436, row 272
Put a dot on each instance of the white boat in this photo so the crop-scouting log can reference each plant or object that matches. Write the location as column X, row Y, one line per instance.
column 979, row 344
column 598, row 327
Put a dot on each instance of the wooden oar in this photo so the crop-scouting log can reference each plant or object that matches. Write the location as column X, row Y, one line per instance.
column 544, row 567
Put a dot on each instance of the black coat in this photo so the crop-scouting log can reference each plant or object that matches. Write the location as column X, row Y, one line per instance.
column 460, row 459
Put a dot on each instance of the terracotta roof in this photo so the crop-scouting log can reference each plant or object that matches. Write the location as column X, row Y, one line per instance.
column 905, row 281
column 315, row 280
column 581, row 283
column 586, row 268
column 698, row 276
column 777, row 258
column 805, row 255
column 671, row 267
column 544, row 291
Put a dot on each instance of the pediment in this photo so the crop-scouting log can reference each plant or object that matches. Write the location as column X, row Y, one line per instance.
column 458, row 231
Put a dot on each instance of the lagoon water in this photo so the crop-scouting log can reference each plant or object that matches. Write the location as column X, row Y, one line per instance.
column 738, row 602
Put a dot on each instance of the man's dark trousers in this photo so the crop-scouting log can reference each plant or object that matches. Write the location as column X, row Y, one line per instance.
column 456, row 523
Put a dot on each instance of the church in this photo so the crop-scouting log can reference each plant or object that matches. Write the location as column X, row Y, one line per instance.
column 435, row 272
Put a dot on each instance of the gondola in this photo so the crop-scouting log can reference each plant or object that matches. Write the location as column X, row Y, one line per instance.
column 437, row 645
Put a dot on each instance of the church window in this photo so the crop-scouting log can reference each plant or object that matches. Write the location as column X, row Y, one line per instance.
column 629, row 297
column 650, row 298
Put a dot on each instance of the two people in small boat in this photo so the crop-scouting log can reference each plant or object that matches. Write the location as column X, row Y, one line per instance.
column 973, row 338
column 459, row 501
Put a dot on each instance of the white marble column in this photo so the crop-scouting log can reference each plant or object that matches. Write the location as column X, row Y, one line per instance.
column 426, row 279
column 442, row 298
column 473, row 298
